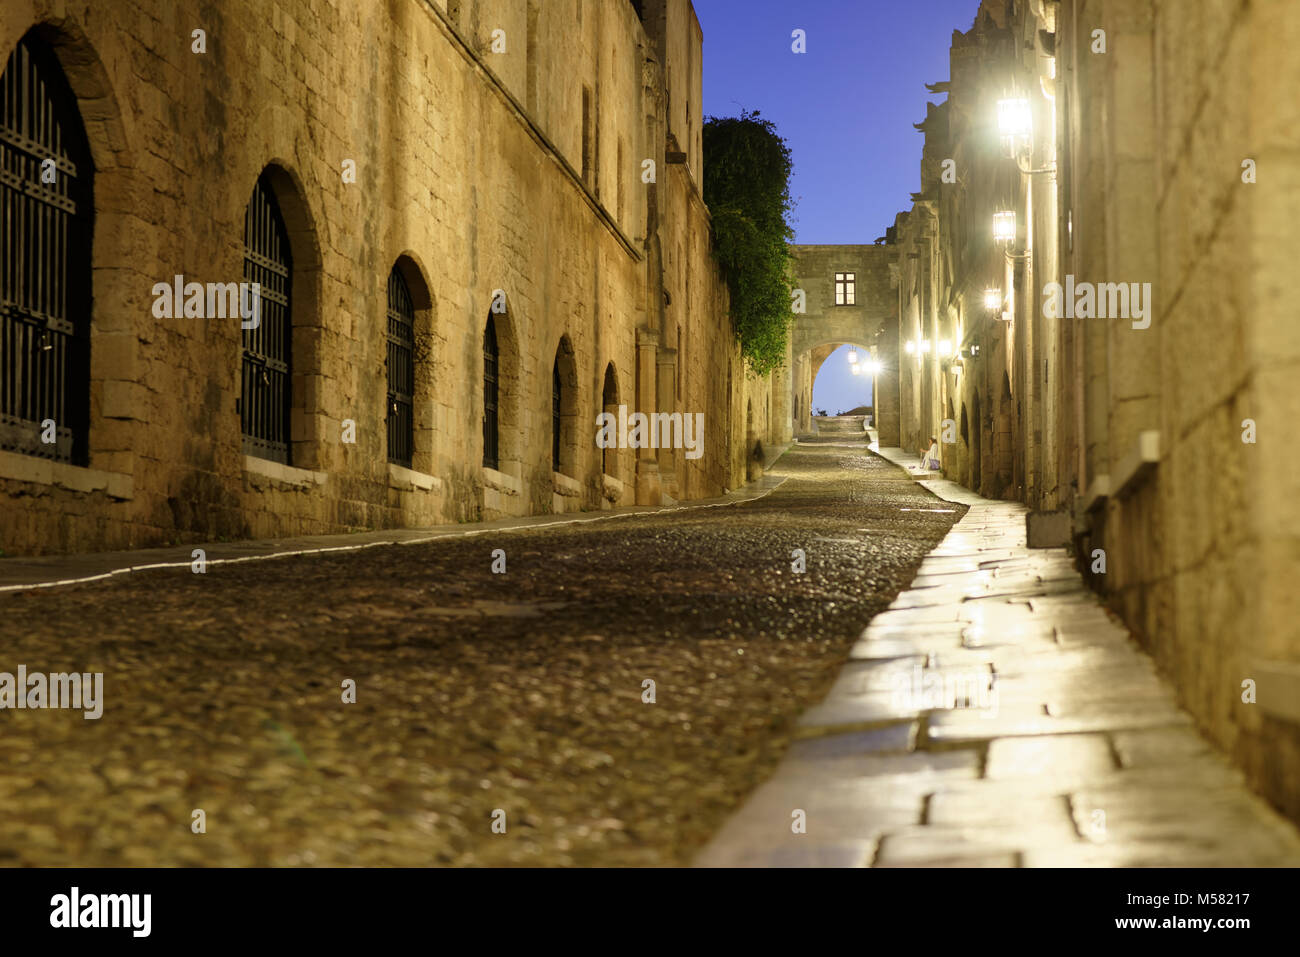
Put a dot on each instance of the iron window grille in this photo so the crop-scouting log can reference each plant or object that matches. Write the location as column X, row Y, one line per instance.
column 45, row 260
column 490, row 357
column 556, row 401
column 267, row 386
column 401, row 371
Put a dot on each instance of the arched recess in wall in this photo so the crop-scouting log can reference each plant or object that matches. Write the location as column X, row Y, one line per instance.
column 977, row 445
column 408, row 366
column 965, row 427
column 47, row 198
column 609, row 404
column 281, row 352
column 751, row 440
column 564, row 409
column 501, row 427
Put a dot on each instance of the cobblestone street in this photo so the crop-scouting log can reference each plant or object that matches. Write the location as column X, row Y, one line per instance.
column 475, row 691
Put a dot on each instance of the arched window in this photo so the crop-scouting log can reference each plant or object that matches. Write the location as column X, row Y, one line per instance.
column 564, row 410
column 267, row 381
column 490, row 425
column 557, row 390
column 401, row 370
column 46, row 215
column 609, row 403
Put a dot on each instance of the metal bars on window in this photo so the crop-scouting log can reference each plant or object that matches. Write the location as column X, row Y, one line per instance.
column 556, row 418
column 401, row 371
column 490, row 424
column 46, row 217
column 267, row 386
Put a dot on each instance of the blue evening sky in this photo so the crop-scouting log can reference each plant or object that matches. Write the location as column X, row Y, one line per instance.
column 846, row 107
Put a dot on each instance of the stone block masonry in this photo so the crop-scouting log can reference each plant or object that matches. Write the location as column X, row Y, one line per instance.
column 493, row 157
column 1158, row 159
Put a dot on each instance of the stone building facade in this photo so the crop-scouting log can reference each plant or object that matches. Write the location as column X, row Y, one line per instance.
column 1130, row 368
column 402, row 175
column 849, row 298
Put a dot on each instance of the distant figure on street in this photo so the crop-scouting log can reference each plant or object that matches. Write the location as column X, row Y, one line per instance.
column 930, row 457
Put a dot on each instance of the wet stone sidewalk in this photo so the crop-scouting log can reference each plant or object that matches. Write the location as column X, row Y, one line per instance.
column 997, row 715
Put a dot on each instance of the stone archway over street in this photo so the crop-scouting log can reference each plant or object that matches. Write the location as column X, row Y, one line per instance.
column 850, row 297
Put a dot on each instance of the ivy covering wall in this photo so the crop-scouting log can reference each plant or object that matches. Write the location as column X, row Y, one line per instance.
column 747, row 189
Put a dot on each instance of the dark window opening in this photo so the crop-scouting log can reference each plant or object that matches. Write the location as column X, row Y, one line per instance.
column 401, row 371
column 266, row 392
column 609, row 403
column 490, row 425
column 557, row 389
column 590, row 143
column 45, row 256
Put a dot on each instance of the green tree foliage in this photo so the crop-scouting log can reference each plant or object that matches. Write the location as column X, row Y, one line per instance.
column 747, row 189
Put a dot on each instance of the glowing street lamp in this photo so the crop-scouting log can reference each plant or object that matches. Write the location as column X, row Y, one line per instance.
column 874, row 367
column 1015, row 123
column 910, row 347
column 992, row 299
column 1004, row 226
column 853, row 357
column 945, row 347
column 855, row 368
column 925, row 346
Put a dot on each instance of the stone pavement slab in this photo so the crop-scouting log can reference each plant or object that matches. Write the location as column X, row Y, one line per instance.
column 996, row 715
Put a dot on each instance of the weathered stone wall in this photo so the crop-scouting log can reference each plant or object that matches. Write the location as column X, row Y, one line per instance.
column 477, row 170
column 1133, row 174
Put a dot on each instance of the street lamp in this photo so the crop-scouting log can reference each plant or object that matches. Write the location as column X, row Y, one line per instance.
column 1015, row 123
column 992, row 299
column 1004, row 226
column 910, row 347
column 945, row 347
column 853, row 357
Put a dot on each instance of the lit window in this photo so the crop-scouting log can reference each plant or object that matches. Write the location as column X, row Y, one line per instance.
column 845, row 289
